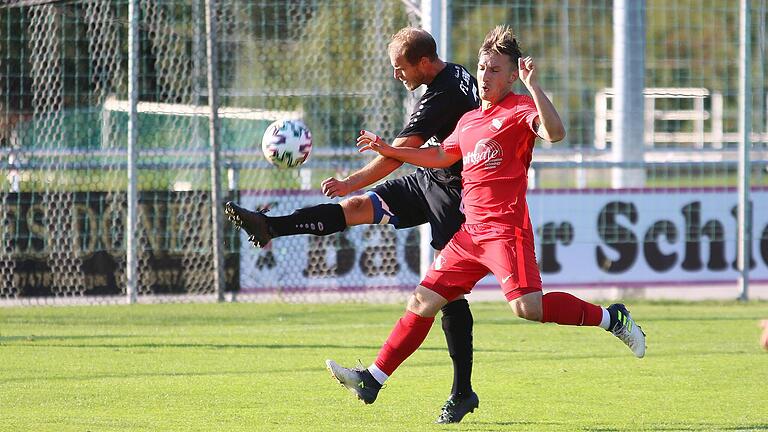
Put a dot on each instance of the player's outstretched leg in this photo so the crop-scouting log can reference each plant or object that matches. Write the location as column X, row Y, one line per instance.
column 456, row 407
column 626, row 329
column 359, row 381
column 319, row 220
column 566, row 309
column 253, row 222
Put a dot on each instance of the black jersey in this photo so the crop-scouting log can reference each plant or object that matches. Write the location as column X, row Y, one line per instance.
column 452, row 93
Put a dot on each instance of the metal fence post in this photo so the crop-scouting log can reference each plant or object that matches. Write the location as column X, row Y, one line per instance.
column 628, row 85
column 745, row 129
column 131, row 237
column 217, row 217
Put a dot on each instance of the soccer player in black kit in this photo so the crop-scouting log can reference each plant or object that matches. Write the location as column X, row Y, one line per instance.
column 427, row 195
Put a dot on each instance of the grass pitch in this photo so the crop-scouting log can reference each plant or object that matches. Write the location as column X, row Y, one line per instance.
column 254, row 367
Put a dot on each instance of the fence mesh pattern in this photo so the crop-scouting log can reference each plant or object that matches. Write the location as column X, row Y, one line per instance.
column 64, row 118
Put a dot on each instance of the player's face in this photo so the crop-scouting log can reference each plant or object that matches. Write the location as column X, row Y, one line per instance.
column 495, row 75
column 410, row 75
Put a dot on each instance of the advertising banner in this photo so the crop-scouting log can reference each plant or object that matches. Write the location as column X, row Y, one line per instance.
column 78, row 248
column 627, row 237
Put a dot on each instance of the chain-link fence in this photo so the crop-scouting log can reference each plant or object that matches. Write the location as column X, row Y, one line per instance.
column 64, row 110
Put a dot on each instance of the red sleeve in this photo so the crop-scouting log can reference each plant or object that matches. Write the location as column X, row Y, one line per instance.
column 527, row 112
column 451, row 143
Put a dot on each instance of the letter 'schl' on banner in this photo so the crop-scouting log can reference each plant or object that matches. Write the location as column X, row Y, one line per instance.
column 629, row 237
column 174, row 252
column 646, row 236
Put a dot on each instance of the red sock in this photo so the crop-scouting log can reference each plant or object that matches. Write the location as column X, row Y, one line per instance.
column 408, row 334
column 563, row 308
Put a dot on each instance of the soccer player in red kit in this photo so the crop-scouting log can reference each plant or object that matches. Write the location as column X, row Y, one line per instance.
column 495, row 143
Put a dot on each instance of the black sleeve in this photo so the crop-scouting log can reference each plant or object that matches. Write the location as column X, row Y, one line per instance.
column 429, row 116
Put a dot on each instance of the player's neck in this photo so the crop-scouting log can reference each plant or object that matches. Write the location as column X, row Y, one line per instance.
column 486, row 104
column 435, row 68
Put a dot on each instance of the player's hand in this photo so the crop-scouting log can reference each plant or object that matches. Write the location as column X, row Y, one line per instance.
column 334, row 188
column 764, row 336
column 370, row 141
column 527, row 71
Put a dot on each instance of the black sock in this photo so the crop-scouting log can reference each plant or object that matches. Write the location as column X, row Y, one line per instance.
column 614, row 319
column 320, row 220
column 457, row 324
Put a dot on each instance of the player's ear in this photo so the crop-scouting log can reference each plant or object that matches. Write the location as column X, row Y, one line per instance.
column 513, row 76
column 515, row 71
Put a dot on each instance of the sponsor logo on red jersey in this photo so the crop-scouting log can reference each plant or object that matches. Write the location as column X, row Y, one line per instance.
column 487, row 152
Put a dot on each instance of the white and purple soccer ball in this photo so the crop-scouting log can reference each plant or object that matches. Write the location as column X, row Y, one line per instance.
column 287, row 143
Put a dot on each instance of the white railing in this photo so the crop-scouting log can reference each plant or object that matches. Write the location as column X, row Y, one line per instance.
column 697, row 139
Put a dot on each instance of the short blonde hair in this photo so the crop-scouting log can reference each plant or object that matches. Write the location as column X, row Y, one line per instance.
column 501, row 40
column 413, row 44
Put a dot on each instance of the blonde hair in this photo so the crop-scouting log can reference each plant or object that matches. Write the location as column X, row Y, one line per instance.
column 501, row 40
column 413, row 44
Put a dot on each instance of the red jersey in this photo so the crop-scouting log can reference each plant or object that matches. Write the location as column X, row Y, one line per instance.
column 496, row 146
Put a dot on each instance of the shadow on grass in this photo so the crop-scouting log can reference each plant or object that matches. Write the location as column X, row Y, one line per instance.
column 35, row 338
column 31, row 341
column 211, row 346
column 531, row 425
column 128, row 375
column 513, row 320
column 687, row 427
column 761, row 426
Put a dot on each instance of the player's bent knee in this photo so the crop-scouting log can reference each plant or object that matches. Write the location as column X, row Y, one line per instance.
column 526, row 309
column 425, row 302
column 418, row 305
column 353, row 204
column 357, row 210
column 532, row 315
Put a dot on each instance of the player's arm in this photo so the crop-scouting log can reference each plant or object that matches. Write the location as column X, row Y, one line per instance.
column 372, row 172
column 549, row 126
column 428, row 157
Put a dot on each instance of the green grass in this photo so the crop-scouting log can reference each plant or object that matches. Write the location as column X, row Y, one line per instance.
column 254, row 367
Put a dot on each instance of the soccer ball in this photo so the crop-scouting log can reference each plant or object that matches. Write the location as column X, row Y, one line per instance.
column 286, row 143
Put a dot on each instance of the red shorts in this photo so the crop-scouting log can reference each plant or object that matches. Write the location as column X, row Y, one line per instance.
column 475, row 250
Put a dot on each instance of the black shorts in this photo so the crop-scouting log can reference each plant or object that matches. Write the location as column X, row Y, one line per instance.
column 417, row 198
